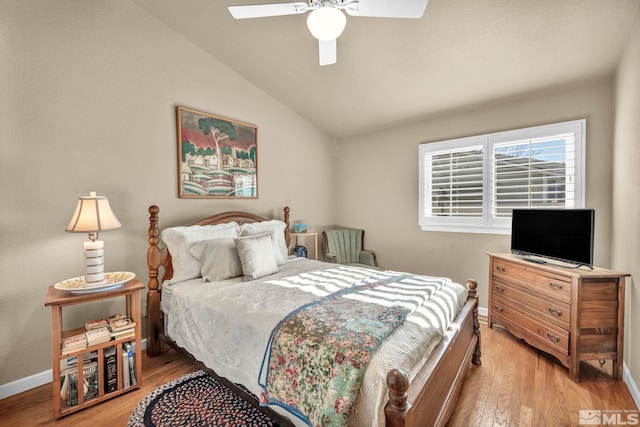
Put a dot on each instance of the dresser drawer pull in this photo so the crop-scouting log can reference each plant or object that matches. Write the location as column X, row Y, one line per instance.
column 556, row 286
column 498, row 308
column 555, row 311
column 553, row 337
column 499, row 289
column 500, row 268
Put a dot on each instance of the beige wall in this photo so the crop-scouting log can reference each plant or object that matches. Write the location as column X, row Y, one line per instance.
column 89, row 89
column 625, row 241
column 378, row 181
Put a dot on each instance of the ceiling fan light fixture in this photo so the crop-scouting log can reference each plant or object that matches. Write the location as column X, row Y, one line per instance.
column 326, row 23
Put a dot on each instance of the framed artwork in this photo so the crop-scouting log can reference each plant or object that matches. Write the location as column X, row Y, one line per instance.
column 217, row 157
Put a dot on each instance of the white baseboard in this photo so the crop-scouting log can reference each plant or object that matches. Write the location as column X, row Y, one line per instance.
column 631, row 384
column 35, row 380
column 483, row 311
column 24, row 384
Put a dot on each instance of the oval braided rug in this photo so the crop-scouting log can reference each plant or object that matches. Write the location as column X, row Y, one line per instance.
column 194, row 400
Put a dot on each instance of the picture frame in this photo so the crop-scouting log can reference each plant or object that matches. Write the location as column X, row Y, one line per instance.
column 217, row 156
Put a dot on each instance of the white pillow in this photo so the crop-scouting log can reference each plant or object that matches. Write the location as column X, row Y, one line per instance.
column 256, row 256
column 180, row 239
column 280, row 259
column 254, row 228
column 219, row 258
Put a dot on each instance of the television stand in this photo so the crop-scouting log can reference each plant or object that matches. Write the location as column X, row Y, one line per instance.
column 574, row 315
column 539, row 260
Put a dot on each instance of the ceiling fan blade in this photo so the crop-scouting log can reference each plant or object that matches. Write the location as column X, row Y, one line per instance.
column 328, row 51
column 388, row 9
column 269, row 9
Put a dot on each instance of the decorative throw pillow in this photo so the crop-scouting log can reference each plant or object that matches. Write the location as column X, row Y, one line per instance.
column 280, row 259
column 219, row 258
column 256, row 256
column 254, row 228
column 180, row 239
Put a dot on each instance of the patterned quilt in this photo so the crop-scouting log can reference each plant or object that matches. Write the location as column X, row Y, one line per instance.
column 317, row 355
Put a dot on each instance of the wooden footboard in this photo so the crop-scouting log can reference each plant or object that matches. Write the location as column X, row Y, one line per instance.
column 429, row 399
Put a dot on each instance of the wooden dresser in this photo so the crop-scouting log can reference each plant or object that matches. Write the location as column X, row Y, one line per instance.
column 572, row 314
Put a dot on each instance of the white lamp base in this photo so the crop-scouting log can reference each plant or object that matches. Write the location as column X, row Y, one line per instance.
column 94, row 263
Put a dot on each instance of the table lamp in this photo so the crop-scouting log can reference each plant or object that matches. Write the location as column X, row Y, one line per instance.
column 92, row 215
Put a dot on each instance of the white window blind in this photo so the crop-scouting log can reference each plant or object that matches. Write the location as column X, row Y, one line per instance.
column 457, row 183
column 537, row 173
column 473, row 184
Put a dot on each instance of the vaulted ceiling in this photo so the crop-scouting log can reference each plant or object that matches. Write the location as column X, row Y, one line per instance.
column 394, row 71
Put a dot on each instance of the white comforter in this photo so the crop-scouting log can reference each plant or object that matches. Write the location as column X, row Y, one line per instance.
column 226, row 325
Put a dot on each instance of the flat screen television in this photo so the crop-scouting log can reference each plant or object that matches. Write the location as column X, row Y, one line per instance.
column 559, row 234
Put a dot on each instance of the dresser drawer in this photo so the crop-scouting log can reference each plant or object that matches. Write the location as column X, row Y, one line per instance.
column 539, row 305
column 546, row 335
column 548, row 283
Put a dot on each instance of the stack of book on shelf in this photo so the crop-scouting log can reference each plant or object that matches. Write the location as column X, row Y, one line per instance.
column 74, row 343
column 69, row 378
column 118, row 326
column 121, row 326
column 98, row 336
column 95, row 324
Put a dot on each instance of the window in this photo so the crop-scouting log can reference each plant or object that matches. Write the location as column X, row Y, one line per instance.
column 472, row 184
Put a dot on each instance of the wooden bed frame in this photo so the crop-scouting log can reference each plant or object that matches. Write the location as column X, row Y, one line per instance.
column 427, row 400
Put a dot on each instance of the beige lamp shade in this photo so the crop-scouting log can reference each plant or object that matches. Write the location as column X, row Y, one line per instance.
column 93, row 214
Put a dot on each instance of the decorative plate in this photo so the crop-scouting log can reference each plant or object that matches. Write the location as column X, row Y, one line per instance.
column 77, row 284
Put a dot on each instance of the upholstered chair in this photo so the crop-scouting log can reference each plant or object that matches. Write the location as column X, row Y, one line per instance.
column 344, row 246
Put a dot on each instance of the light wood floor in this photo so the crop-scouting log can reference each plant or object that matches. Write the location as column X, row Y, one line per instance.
column 515, row 386
column 519, row 386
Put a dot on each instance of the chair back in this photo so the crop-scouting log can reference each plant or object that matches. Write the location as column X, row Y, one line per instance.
column 345, row 244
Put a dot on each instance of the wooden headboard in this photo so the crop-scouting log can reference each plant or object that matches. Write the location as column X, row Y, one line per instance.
column 159, row 257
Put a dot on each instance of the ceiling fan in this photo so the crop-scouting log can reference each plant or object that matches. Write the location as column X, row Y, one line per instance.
column 327, row 21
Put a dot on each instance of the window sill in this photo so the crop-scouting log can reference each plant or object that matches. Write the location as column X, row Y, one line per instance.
column 476, row 229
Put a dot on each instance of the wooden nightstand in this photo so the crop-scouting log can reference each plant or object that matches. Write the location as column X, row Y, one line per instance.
column 57, row 300
column 315, row 241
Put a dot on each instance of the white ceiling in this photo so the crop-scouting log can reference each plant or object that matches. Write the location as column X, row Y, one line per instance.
column 393, row 71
